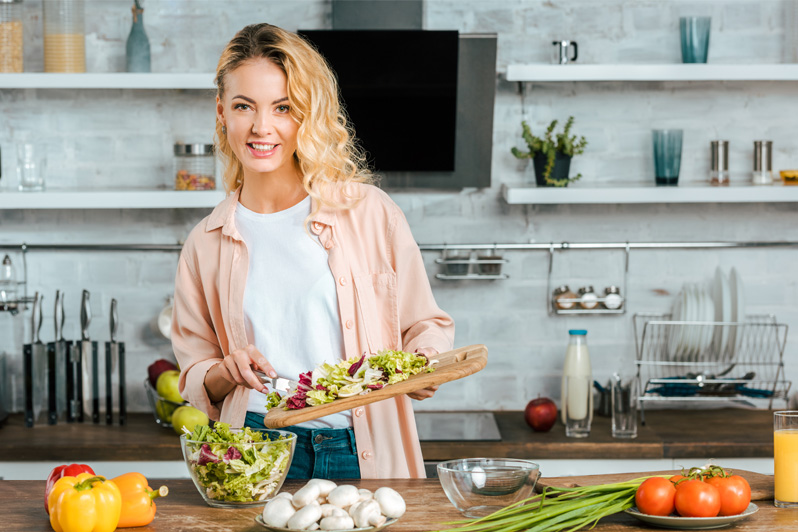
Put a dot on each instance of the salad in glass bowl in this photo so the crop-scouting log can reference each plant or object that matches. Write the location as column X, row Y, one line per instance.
column 237, row 468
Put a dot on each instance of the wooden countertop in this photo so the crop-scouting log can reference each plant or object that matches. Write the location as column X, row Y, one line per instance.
column 427, row 507
column 667, row 434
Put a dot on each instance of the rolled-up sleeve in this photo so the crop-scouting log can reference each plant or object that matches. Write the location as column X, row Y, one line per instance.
column 194, row 339
column 422, row 322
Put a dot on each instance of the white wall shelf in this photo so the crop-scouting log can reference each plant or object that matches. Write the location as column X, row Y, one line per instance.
column 659, row 72
column 110, row 199
column 111, row 80
column 687, row 193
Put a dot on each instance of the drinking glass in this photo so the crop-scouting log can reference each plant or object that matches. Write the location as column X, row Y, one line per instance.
column 577, row 406
column 667, row 155
column 695, row 38
column 624, row 407
column 31, row 165
column 785, row 458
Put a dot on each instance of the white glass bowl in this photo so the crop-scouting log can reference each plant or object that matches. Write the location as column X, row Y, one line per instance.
column 480, row 486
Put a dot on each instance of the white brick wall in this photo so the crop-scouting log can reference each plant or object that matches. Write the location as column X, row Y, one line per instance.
column 111, row 138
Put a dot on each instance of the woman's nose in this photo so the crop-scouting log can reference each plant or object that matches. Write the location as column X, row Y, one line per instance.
column 262, row 124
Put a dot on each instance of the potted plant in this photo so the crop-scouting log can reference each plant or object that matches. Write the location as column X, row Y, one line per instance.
column 552, row 154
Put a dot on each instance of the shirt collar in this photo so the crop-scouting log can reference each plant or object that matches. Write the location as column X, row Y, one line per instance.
column 224, row 215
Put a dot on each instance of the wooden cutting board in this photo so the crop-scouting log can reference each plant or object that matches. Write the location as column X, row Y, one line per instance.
column 452, row 365
column 761, row 485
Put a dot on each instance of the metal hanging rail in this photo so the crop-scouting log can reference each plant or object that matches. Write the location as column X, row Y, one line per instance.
column 548, row 246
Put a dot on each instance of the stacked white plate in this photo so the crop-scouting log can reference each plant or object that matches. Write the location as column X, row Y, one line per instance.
column 699, row 307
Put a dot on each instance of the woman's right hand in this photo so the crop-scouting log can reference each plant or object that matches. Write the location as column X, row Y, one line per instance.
column 236, row 370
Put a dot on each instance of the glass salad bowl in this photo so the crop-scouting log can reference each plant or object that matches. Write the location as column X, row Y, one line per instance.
column 480, row 486
column 235, row 474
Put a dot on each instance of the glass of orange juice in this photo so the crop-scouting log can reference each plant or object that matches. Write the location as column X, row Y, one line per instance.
column 785, row 458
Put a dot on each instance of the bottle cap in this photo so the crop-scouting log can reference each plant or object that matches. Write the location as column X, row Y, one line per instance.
column 577, row 332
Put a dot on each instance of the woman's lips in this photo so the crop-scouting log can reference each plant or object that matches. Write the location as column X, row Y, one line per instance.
column 262, row 154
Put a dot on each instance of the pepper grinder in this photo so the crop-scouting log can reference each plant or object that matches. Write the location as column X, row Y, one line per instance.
column 763, row 162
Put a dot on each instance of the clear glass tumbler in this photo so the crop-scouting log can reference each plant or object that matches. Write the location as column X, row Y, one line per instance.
column 577, row 413
column 785, row 458
column 31, row 167
column 695, row 38
column 667, row 145
column 624, row 407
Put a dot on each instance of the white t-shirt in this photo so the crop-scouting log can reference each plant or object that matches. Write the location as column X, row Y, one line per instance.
column 290, row 301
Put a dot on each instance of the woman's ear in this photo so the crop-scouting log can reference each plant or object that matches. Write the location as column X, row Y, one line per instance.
column 220, row 111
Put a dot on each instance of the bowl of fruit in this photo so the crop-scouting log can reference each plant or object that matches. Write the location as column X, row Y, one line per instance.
column 163, row 394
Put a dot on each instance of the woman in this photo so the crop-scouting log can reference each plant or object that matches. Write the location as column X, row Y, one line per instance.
column 305, row 262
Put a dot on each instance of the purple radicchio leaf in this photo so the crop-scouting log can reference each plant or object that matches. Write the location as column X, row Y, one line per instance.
column 232, row 454
column 321, row 387
column 206, row 456
column 306, row 379
column 376, row 386
column 297, row 401
column 356, row 366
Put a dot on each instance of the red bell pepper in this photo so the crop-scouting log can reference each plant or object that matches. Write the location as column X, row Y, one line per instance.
column 71, row 470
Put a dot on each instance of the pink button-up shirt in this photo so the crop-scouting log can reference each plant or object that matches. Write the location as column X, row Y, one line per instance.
column 384, row 299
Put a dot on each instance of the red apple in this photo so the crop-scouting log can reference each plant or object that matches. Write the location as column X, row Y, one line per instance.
column 155, row 369
column 540, row 414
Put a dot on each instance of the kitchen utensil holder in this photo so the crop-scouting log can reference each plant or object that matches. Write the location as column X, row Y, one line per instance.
column 598, row 311
column 472, row 268
column 669, row 368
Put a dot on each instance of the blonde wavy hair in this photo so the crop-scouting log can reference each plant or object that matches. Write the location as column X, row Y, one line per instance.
column 327, row 154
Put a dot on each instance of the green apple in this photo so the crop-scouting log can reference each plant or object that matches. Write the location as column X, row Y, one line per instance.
column 167, row 386
column 189, row 417
column 165, row 409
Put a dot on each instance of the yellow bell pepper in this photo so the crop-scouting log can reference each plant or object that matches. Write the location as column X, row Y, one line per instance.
column 86, row 503
column 138, row 499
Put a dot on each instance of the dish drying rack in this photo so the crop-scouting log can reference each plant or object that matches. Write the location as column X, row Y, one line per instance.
column 703, row 361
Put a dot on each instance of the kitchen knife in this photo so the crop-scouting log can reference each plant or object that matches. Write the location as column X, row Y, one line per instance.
column 277, row 383
column 63, row 363
column 120, row 347
column 52, row 392
column 89, row 359
column 27, row 366
column 111, row 357
column 39, row 366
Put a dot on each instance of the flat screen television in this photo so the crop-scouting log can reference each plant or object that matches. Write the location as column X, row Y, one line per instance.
column 399, row 88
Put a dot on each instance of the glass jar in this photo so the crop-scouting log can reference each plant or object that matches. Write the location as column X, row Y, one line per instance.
column 562, row 294
column 612, row 298
column 11, row 36
column 588, row 299
column 64, row 39
column 195, row 167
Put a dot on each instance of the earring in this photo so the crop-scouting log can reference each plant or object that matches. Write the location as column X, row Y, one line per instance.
column 224, row 130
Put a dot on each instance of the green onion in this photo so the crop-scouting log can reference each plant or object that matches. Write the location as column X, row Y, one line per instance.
column 557, row 509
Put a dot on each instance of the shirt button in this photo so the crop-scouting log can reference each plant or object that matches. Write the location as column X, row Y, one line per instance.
column 342, row 281
column 349, row 324
column 328, row 244
column 366, row 455
column 359, row 411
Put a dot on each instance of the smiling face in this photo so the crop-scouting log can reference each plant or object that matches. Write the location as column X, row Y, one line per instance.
column 260, row 129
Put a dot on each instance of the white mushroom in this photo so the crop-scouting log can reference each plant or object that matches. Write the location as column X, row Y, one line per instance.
column 364, row 513
column 337, row 523
column 305, row 517
column 364, row 494
column 328, row 510
column 284, row 495
column 353, row 508
column 314, row 526
column 325, row 486
column 343, row 496
column 278, row 511
column 391, row 503
column 306, row 495
column 377, row 519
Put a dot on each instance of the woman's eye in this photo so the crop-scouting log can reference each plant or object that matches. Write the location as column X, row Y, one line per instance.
column 283, row 108
column 241, row 106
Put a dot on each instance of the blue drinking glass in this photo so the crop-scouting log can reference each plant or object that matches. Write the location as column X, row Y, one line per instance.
column 667, row 155
column 695, row 38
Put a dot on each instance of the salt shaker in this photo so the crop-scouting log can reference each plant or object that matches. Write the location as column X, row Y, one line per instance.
column 719, row 162
column 612, row 298
column 763, row 162
column 588, row 299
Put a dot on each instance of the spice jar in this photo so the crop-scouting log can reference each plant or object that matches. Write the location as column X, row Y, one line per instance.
column 588, row 299
column 8, row 285
column 64, row 39
column 195, row 167
column 562, row 295
column 612, row 298
column 11, row 36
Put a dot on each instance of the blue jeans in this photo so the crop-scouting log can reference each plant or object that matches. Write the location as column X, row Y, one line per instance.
column 319, row 453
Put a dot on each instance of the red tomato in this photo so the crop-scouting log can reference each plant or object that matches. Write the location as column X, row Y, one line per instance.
column 676, row 478
column 697, row 499
column 735, row 493
column 655, row 496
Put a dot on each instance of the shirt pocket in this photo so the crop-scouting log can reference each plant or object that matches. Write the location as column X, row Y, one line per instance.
column 379, row 309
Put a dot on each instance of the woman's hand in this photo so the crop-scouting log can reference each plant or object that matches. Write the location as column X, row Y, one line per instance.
column 236, row 370
column 425, row 393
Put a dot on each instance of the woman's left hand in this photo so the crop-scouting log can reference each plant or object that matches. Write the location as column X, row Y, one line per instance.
column 425, row 393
